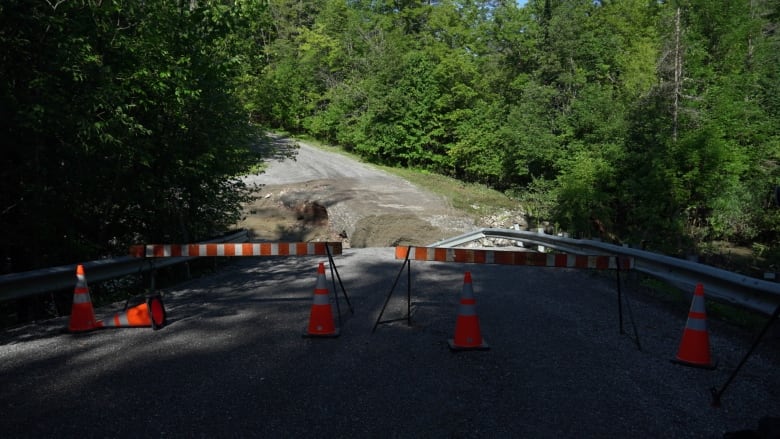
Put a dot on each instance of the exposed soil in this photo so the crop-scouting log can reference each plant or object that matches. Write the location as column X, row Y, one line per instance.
column 307, row 194
column 299, row 212
column 272, row 216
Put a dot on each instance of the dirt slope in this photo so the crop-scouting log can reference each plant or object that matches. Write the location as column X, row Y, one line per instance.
column 308, row 194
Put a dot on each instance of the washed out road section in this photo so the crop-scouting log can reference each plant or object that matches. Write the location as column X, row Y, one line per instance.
column 313, row 194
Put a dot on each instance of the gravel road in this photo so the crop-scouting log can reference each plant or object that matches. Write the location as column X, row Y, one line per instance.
column 371, row 207
column 232, row 362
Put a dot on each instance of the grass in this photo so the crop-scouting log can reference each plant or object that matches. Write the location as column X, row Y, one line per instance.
column 472, row 198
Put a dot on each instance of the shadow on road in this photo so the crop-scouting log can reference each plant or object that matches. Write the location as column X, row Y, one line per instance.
column 276, row 147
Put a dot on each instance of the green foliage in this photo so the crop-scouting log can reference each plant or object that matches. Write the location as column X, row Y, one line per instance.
column 123, row 125
column 656, row 120
column 608, row 112
column 480, row 153
column 585, row 189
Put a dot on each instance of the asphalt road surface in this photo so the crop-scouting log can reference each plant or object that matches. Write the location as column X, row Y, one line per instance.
column 232, row 361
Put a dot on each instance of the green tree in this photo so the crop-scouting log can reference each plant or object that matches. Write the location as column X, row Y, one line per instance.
column 629, row 113
column 123, row 125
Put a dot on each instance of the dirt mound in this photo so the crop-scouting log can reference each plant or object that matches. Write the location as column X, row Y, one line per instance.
column 391, row 230
column 321, row 195
column 311, row 212
column 275, row 218
column 271, row 217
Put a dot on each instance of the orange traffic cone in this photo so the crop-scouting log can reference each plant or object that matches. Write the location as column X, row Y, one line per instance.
column 148, row 314
column 321, row 316
column 695, row 344
column 467, row 334
column 82, row 315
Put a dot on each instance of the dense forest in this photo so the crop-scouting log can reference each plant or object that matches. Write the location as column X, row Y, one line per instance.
column 651, row 121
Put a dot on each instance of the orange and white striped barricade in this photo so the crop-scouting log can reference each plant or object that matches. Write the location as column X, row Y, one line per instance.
column 248, row 249
column 516, row 258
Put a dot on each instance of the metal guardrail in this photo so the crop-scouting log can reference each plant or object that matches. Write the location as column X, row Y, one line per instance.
column 721, row 285
column 30, row 283
column 737, row 289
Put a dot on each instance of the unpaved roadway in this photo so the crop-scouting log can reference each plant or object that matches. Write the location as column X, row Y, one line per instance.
column 310, row 194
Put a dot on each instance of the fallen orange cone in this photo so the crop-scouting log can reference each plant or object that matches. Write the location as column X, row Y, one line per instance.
column 467, row 332
column 82, row 315
column 321, row 316
column 151, row 313
column 694, row 347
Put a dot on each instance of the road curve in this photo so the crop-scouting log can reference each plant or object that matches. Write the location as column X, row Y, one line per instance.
column 309, row 163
